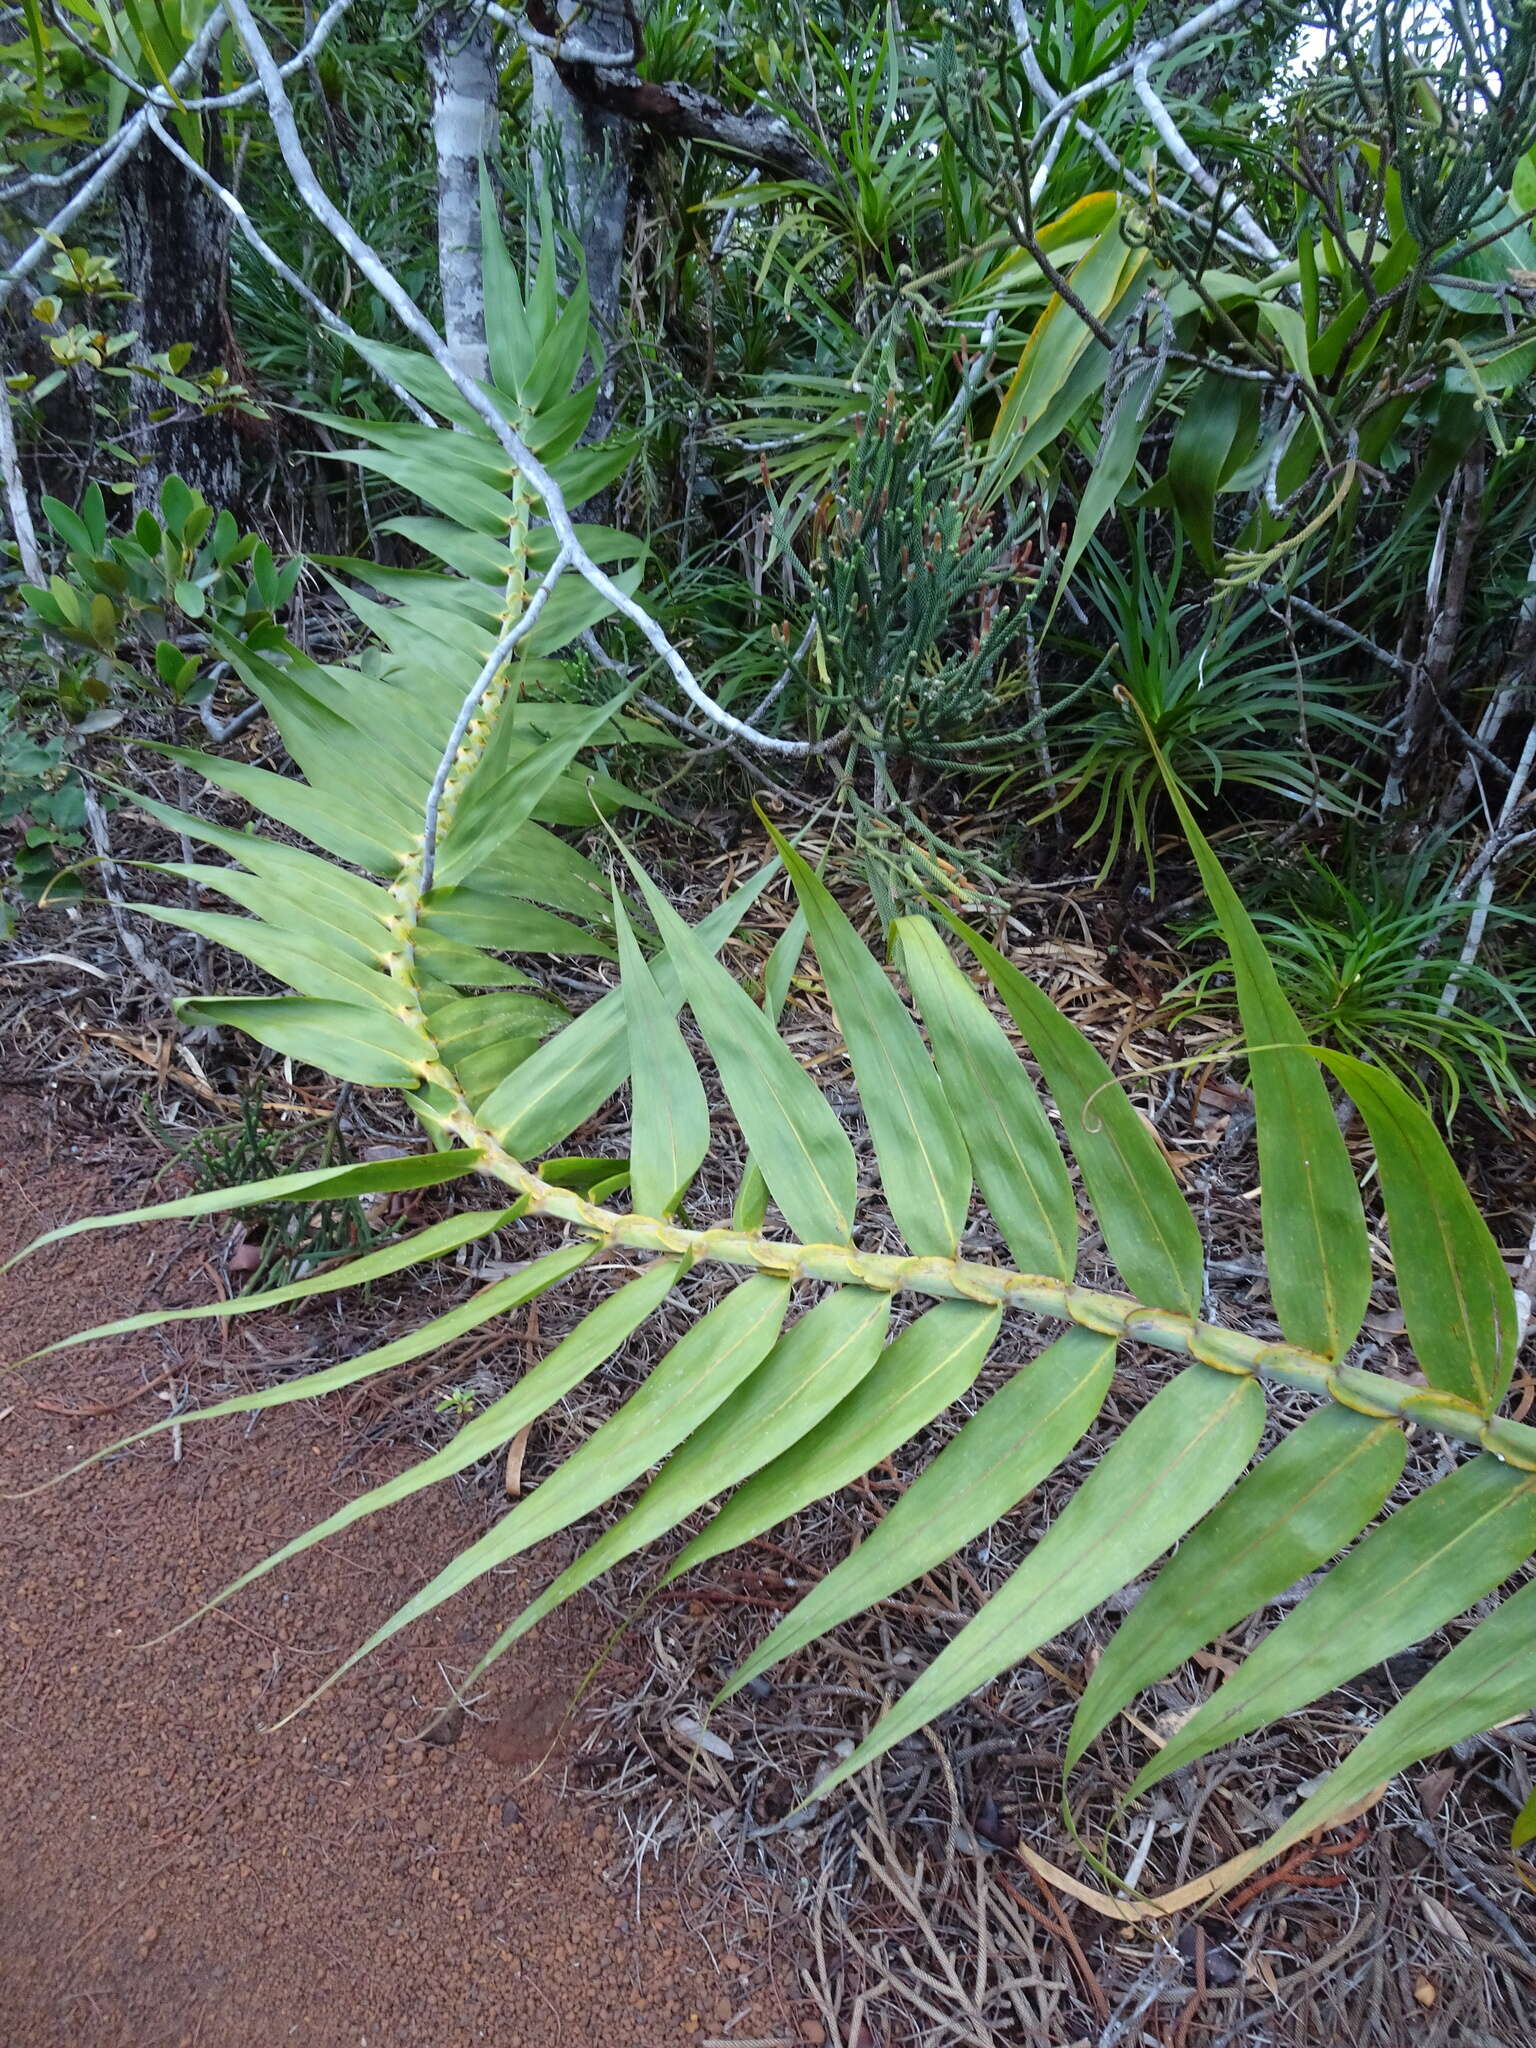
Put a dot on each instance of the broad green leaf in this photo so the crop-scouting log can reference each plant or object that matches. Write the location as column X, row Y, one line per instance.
column 669, row 1115
column 595, row 1339
column 1214, row 413
column 1147, row 1226
column 1119, row 443
column 355, row 1044
column 318, row 1183
column 1019, row 1437
column 1294, row 1511
column 696, row 1375
column 791, row 1128
column 302, row 959
column 1489, row 1677
column 1315, row 1242
column 449, row 1235
column 930, row 1365
column 1457, row 1299
column 482, row 917
column 1059, row 338
column 1425, row 1564
column 1014, row 1153
column 813, row 1365
column 925, row 1171
column 751, row 1204
column 344, row 829
column 495, row 1300
column 1172, row 1462
column 574, row 1073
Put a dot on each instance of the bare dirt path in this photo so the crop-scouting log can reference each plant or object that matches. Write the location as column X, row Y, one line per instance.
column 171, row 1873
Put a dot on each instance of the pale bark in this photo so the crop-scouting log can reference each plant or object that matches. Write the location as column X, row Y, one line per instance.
column 461, row 73
column 581, row 154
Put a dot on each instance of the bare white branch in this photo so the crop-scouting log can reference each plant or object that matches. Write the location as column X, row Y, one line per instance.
column 416, row 323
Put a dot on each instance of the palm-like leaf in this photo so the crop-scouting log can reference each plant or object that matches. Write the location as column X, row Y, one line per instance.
column 383, row 972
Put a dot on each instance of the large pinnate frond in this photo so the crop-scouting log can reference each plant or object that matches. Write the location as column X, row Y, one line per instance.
column 417, row 967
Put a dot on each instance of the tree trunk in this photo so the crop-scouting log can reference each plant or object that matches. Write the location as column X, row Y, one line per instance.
column 175, row 263
column 582, row 152
column 461, row 73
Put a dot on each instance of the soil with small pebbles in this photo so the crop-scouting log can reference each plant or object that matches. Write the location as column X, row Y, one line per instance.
column 174, row 1873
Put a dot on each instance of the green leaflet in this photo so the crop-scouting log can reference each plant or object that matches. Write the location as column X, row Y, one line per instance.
column 1457, row 1299
column 347, row 830
column 344, row 1039
column 535, row 1278
column 812, row 1366
column 1489, row 1677
column 1150, row 1233
column 795, row 1137
column 1202, row 447
column 574, row 1073
column 1112, row 466
column 1018, row 1438
column 598, row 1335
column 696, row 1375
column 925, row 1171
column 1315, row 1242
column 751, row 1204
column 669, row 1115
column 329, row 1183
column 449, row 1235
column 1524, row 1829
column 304, row 960
column 1014, row 1153
column 929, row 1365
column 1426, row 1564
column 483, row 917
column 496, row 807
column 1173, row 1461
column 1295, row 1510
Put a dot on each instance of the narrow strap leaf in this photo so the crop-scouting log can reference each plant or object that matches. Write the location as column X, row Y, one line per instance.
column 1315, row 1242
column 1174, row 1460
column 930, row 1365
column 331, row 1183
column 1017, row 1161
column 1019, row 1437
column 574, row 1073
column 751, row 1204
column 669, row 1115
column 352, row 1042
column 1426, row 1564
column 1295, row 1510
column 696, row 1375
column 1489, row 1677
column 449, row 1235
column 809, row 1370
column 790, row 1126
column 924, row 1167
column 491, row 1301
column 1457, row 1300
column 580, row 1352
column 1147, row 1226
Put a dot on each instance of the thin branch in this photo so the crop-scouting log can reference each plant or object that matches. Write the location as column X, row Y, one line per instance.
column 129, row 137
column 327, row 316
column 515, row 633
column 16, row 494
column 242, row 95
column 416, row 323
column 1258, row 242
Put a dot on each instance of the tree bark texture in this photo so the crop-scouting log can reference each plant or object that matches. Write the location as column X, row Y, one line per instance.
column 461, row 73
column 175, row 263
column 581, row 150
